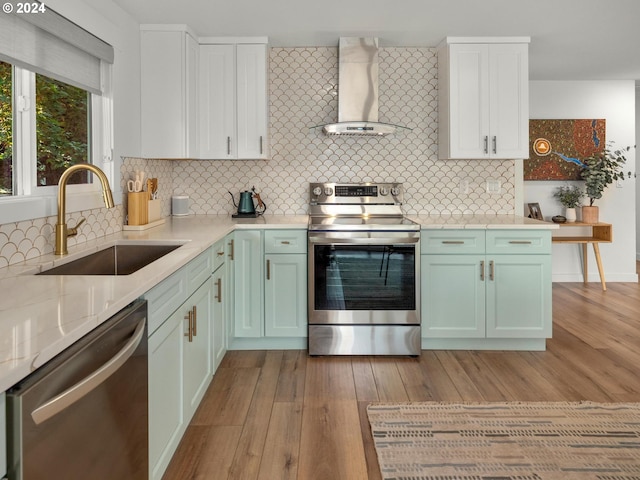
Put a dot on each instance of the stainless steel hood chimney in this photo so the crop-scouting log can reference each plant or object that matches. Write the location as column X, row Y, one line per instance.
column 358, row 90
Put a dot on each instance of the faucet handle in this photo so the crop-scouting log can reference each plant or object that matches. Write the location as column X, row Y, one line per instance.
column 71, row 231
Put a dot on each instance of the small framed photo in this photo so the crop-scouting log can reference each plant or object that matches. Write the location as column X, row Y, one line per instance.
column 534, row 211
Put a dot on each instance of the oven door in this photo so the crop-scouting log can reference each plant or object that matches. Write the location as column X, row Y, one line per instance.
column 364, row 278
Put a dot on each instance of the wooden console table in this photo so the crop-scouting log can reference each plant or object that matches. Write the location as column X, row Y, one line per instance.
column 600, row 233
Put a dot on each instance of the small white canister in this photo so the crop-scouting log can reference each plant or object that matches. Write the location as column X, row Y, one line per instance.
column 180, row 205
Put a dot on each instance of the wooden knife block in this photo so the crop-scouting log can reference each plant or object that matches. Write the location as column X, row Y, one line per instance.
column 138, row 204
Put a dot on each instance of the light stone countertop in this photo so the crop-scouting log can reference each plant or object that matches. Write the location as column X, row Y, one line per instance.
column 42, row 315
column 433, row 222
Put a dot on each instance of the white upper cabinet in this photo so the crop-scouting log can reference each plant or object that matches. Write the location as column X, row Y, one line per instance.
column 169, row 92
column 483, row 98
column 233, row 100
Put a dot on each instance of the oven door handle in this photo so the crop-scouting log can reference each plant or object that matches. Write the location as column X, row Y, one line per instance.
column 323, row 240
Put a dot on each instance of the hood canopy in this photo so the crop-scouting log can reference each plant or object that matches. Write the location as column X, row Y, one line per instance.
column 358, row 90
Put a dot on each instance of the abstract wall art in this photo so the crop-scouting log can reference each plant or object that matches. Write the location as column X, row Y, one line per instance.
column 558, row 147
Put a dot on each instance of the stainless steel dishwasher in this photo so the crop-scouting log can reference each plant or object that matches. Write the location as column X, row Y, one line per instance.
column 84, row 413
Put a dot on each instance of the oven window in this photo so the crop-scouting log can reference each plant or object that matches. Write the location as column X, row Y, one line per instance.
column 364, row 277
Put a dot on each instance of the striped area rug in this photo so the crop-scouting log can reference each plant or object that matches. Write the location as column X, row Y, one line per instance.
column 523, row 441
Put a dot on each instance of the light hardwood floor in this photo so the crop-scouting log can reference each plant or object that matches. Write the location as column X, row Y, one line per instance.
column 283, row 415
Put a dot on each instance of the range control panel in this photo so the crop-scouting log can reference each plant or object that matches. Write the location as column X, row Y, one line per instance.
column 355, row 193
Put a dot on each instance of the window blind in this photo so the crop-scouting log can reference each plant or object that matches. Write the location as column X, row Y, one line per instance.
column 49, row 44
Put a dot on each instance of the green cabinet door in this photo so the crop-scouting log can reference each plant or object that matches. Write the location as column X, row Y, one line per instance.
column 219, row 316
column 166, row 415
column 197, row 347
column 453, row 299
column 519, row 296
column 248, row 288
column 285, row 295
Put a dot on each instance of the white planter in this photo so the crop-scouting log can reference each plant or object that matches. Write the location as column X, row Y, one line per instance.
column 570, row 214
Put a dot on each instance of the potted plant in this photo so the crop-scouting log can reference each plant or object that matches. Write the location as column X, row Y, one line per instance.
column 569, row 196
column 599, row 171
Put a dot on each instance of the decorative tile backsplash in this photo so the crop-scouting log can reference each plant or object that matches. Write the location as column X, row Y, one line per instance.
column 302, row 86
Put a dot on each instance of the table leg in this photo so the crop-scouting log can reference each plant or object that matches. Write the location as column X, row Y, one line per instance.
column 596, row 250
column 585, row 265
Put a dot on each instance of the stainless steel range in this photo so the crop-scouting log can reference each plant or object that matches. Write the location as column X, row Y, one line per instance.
column 363, row 271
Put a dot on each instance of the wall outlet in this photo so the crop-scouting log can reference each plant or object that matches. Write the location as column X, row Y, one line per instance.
column 494, row 186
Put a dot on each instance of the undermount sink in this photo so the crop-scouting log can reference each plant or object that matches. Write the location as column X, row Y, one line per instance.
column 119, row 259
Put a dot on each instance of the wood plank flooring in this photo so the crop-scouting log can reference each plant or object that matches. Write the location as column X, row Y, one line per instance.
column 283, row 415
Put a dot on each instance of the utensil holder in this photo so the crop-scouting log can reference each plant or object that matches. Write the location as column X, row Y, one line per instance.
column 154, row 210
column 138, row 212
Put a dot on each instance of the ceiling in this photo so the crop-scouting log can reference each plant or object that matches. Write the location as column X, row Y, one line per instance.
column 570, row 39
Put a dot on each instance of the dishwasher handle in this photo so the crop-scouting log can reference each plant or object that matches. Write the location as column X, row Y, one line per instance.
column 86, row 385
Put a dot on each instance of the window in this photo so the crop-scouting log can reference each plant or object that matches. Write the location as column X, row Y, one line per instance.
column 6, row 130
column 62, row 130
column 55, row 111
column 63, row 125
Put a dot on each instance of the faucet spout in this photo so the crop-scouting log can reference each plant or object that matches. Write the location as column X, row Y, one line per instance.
column 62, row 232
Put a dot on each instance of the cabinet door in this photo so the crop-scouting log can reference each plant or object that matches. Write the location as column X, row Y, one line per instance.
column 509, row 100
column 197, row 348
column 519, row 296
column 166, row 415
column 248, row 284
column 217, row 102
column 251, row 84
column 285, row 295
column 218, row 317
column 168, row 94
column 469, row 101
column 453, row 296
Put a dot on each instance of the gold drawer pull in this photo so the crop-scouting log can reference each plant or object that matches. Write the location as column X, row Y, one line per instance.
column 219, row 296
column 453, row 242
column 482, row 270
column 189, row 316
column 268, row 269
column 520, row 242
column 285, row 242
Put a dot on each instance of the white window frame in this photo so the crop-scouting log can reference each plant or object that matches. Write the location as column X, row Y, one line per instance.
column 29, row 201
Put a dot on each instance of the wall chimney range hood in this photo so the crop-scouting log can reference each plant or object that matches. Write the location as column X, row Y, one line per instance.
column 358, row 90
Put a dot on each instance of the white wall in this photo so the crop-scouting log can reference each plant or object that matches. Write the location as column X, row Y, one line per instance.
column 615, row 102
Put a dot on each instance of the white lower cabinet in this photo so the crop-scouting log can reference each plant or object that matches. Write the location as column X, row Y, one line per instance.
column 493, row 285
column 180, row 363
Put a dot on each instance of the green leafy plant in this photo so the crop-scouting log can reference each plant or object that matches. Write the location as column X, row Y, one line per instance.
column 569, row 195
column 602, row 169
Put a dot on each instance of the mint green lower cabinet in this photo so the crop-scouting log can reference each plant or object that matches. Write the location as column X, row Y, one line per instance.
column 285, row 295
column 3, row 436
column 220, row 288
column 166, row 415
column 453, row 302
column 486, row 290
column 197, row 372
column 248, row 290
column 519, row 296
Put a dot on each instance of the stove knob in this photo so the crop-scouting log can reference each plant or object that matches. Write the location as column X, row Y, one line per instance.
column 384, row 191
column 395, row 191
column 328, row 191
column 317, row 191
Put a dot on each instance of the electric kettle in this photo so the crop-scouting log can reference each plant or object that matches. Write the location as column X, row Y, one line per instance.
column 245, row 207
